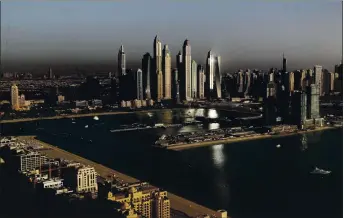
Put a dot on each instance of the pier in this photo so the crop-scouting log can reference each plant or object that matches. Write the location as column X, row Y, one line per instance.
column 190, row 208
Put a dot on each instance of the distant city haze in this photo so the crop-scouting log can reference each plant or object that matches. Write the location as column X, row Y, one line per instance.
column 247, row 34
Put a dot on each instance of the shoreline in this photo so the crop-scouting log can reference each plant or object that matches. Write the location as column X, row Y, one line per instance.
column 231, row 140
column 177, row 203
column 79, row 115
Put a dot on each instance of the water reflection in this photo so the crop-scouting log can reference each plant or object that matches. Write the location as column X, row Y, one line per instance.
column 218, row 155
column 304, row 144
column 214, row 126
column 212, row 113
column 200, row 112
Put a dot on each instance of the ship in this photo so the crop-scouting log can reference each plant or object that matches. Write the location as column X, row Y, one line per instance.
column 320, row 171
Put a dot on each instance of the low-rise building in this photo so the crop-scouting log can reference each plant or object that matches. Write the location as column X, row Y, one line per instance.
column 82, row 179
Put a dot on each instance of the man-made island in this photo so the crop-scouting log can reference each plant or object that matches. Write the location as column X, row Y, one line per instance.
column 33, row 146
column 229, row 135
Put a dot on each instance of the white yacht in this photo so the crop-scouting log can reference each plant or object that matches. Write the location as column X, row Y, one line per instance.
column 96, row 118
column 320, row 171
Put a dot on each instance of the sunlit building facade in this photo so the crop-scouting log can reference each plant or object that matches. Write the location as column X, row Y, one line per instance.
column 167, row 73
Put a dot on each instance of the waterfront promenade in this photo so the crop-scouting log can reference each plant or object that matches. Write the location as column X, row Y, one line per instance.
column 177, row 203
column 179, row 147
column 77, row 115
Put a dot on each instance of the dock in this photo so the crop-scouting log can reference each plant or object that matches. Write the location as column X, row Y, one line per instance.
column 190, row 208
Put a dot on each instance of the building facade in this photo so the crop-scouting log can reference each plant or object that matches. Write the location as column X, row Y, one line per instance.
column 121, row 69
column 158, row 76
column 31, row 161
column 139, row 85
column 194, row 90
column 146, row 70
column 167, row 73
column 185, row 87
column 318, row 78
column 15, row 97
column 201, row 81
column 82, row 179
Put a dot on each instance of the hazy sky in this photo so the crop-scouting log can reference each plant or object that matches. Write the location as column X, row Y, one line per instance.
column 246, row 33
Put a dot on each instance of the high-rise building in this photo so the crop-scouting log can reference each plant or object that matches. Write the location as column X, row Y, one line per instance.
column 326, row 82
column 162, row 205
column 194, row 79
column 284, row 64
column 15, row 97
column 121, row 69
column 175, row 85
column 146, row 70
column 291, row 81
column 247, row 81
column 81, row 178
column 299, row 107
column 158, row 85
column 213, row 76
column 201, row 81
column 30, row 161
column 148, row 202
column 318, row 77
column 332, row 79
column 167, row 73
column 240, row 81
column 139, row 84
column 51, row 75
column 313, row 102
column 210, row 75
column 185, row 88
column 218, row 77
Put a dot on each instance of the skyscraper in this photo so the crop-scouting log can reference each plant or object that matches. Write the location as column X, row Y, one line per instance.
column 218, row 77
column 210, row 74
column 146, row 70
column 139, row 84
column 167, row 72
column 194, row 79
column 200, row 83
column 51, row 75
column 247, row 82
column 291, row 81
column 186, row 84
column 158, row 77
column 213, row 76
column 14, row 97
column 175, row 86
column 313, row 102
column 318, row 77
column 284, row 64
column 299, row 107
column 121, row 70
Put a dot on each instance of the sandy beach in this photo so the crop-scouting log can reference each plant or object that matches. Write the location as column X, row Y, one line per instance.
column 177, row 203
column 179, row 147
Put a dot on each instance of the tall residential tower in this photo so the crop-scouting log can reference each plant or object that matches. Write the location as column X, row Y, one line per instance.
column 158, row 76
column 121, row 62
column 167, row 72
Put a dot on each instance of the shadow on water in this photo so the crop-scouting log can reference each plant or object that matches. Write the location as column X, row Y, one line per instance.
column 249, row 179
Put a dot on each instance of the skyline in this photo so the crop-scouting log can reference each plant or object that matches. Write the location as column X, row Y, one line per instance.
column 240, row 32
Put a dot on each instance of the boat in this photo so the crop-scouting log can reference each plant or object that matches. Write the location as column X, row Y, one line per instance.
column 278, row 146
column 320, row 171
column 96, row 118
column 73, row 122
column 86, row 126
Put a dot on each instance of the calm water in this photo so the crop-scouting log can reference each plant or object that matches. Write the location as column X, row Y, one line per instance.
column 249, row 179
